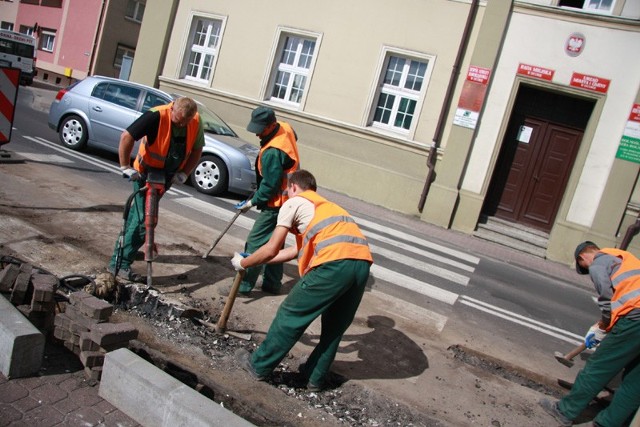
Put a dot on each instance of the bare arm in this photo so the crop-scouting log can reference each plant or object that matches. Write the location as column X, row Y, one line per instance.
column 192, row 161
column 125, row 148
column 270, row 252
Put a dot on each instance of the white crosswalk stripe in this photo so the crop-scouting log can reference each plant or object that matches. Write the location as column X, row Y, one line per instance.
column 436, row 269
column 420, row 259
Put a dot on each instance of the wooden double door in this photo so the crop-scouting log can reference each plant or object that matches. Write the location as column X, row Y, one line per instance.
column 536, row 159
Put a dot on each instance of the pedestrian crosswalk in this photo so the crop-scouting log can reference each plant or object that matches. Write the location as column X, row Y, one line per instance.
column 403, row 260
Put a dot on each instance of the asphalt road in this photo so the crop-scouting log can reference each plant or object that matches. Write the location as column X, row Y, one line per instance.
column 460, row 283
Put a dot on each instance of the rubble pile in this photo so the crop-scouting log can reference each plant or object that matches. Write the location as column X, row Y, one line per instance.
column 84, row 328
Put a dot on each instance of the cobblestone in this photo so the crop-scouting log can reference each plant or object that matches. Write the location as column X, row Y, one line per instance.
column 58, row 396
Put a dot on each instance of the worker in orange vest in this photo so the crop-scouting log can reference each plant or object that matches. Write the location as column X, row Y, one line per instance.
column 333, row 261
column 277, row 160
column 616, row 276
column 172, row 138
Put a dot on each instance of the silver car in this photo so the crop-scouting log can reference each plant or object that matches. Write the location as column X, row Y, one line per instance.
column 96, row 110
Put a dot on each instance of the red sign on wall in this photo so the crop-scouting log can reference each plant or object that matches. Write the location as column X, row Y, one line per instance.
column 535, row 72
column 478, row 74
column 583, row 81
column 634, row 116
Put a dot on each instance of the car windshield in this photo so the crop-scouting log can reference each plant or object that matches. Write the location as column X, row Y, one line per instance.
column 211, row 123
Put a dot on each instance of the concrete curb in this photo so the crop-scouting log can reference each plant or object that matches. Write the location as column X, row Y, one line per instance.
column 154, row 398
column 21, row 344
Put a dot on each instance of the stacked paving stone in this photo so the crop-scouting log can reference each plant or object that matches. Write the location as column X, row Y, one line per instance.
column 32, row 292
column 84, row 329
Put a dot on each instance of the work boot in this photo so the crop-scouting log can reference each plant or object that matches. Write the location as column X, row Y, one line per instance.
column 244, row 358
column 127, row 274
column 551, row 408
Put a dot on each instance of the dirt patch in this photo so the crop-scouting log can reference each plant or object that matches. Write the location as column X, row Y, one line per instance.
column 344, row 402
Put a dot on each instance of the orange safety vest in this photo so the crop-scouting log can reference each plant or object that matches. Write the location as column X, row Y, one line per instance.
column 154, row 155
column 331, row 235
column 284, row 140
column 626, row 285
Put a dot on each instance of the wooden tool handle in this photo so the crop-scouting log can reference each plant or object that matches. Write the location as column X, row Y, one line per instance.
column 576, row 351
column 221, row 326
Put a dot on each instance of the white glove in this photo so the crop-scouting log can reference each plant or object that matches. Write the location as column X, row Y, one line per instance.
column 179, row 178
column 594, row 336
column 244, row 206
column 130, row 173
column 235, row 261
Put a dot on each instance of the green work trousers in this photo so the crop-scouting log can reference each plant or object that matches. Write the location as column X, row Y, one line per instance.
column 134, row 230
column 619, row 350
column 259, row 235
column 332, row 290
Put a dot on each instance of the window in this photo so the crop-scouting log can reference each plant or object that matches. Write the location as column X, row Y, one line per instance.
column 124, row 96
column 121, row 52
column 152, row 100
column 46, row 39
column 202, row 49
column 26, row 30
column 51, row 3
column 402, row 83
column 30, row 1
column 600, row 6
column 135, row 10
column 4, row 25
column 296, row 56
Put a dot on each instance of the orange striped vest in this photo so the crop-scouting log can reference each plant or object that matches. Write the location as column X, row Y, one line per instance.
column 626, row 285
column 331, row 235
column 154, row 155
column 284, row 140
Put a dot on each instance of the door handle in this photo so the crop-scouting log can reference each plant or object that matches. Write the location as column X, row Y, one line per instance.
column 98, row 109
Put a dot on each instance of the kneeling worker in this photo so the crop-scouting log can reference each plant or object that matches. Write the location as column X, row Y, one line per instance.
column 333, row 261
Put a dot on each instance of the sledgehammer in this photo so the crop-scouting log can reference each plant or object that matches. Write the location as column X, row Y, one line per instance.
column 567, row 359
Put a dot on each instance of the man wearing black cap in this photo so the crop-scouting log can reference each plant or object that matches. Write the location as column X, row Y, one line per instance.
column 616, row 276
column 277, row 160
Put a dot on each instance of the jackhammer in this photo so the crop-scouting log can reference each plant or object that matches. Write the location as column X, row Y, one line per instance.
column 154, row 188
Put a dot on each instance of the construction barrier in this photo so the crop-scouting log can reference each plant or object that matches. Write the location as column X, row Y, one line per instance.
column 9, row 83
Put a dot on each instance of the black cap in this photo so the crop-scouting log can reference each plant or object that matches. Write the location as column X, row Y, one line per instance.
column 581, row 247
column 261, row 117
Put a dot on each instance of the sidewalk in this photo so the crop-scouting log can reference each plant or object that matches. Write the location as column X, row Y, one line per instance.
column 59, row 396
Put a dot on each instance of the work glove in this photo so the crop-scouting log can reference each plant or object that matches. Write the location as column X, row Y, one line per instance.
column 244, row 206
column 594, row 336
column 179, row 178
column 235, row 261
column 130, row 173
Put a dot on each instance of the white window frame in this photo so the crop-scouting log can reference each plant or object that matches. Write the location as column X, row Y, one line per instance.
column 282, row 35
column 47, row 40
column 126, row 51
column 399, row 91
column 587, row 7
column 203, row 50
column 26, row 30
column 138, row 11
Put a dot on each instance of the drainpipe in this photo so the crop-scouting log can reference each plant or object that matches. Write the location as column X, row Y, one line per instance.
column 433, row 151
column 98, row 36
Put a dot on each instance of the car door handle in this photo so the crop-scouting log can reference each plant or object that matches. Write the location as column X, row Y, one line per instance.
column 98, row 109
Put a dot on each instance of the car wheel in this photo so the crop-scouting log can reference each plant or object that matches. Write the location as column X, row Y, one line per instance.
column 210, row 175
column 73, row 133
